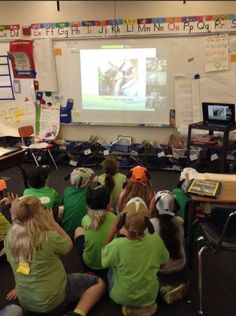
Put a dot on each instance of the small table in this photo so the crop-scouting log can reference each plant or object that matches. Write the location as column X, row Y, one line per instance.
column 13, row 159
column 227, row 194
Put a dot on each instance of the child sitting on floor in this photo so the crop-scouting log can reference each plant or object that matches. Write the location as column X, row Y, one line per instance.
column 112, row 179
column 74, row 199
column 33, row 246
column 135, row 261
column 138, row 185
column 90, row 238
column 170, row 228
column 37, row 178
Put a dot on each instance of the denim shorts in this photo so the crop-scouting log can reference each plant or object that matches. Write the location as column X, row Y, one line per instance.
column 11, row 310
column 77, row 284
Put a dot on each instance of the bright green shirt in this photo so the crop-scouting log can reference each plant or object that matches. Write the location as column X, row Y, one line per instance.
column 119, row 180
column 44, row 288
column 94, row 240
column 45, row 191
column 182, row 199
column 75, row 208
column 135, row 264
column 4, row 225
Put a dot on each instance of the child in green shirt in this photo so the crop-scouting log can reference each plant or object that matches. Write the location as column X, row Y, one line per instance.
column 37, row 178
column 135, row 261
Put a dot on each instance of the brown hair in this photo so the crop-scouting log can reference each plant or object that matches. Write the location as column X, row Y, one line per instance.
column 137, row 189
column 169, row 234
column 110, row 168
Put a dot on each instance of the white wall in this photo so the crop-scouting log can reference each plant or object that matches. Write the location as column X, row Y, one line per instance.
column 26, row 12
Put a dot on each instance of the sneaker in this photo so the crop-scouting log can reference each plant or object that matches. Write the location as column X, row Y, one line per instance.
column 139, row 311
column 175, row 294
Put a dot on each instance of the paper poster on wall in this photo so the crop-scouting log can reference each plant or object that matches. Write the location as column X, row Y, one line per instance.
column 14, row 114
column 183, row 103
column 45, row 65
column 21, row 56
column 48, row 117
column 217, row 53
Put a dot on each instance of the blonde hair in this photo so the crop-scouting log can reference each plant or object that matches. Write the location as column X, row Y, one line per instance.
column 29, row 226
column 97, row 218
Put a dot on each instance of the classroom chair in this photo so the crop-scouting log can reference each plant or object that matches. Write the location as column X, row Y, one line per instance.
column 27, row 138
column 215, row 238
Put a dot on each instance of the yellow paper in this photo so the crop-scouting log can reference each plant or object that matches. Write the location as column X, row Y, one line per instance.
column 18, row 119
column 19, row 112
column 23, row 268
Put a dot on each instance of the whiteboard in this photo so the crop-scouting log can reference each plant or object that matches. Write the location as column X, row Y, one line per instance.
column 184, row 56
column 91, row 72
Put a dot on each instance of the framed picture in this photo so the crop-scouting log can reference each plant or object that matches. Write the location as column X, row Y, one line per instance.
column 205, row 188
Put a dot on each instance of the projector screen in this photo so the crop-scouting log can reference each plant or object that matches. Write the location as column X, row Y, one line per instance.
column 116, row 81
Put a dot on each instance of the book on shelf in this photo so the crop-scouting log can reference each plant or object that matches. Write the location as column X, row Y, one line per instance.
column 207, row 139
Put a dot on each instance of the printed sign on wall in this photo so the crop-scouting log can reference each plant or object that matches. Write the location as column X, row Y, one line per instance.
column 21, row 56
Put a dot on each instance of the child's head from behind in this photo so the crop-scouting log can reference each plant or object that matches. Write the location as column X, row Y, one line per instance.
column 29, row 223
column 166, row 203
column 81, row 177
column 37, row 177
column 98, row 198
column 25, row 209
column 110, row 166
column 167, row 207
column 136, row 218
column 139, row 174
column 138, row 184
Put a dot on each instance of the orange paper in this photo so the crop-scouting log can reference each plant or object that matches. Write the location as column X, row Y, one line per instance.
column 57, row 52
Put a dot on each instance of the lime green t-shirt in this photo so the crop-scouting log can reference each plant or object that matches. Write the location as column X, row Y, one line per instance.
column 44, row 288
column 75, row 208
column 135, row 264
column 45, row 191
column 94, row 240
column 119, row 180
column 4, row 225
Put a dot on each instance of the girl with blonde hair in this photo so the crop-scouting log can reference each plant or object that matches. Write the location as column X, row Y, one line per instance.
column 34, row 245
column 90, row 238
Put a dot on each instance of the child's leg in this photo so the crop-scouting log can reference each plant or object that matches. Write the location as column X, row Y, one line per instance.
column 88, row 289
column 91, row 296
column 173, row 287
column 11, row 310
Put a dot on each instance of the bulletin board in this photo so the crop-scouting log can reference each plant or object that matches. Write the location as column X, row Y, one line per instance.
column 22, row 109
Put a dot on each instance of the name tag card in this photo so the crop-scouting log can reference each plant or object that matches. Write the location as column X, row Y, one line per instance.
column 106, row 152
column 193, row 157
column 176, row 156
column 214, row 157
column 161, row 154
column 87, row 152
column 73, row 163
column 134, row 153
column 63, row 147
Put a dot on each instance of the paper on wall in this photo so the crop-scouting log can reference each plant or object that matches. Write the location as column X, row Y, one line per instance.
column 14, row 114
column 183, row 103
column 45, row 65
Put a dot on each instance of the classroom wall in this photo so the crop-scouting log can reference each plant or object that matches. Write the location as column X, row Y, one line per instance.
column 26, row 12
